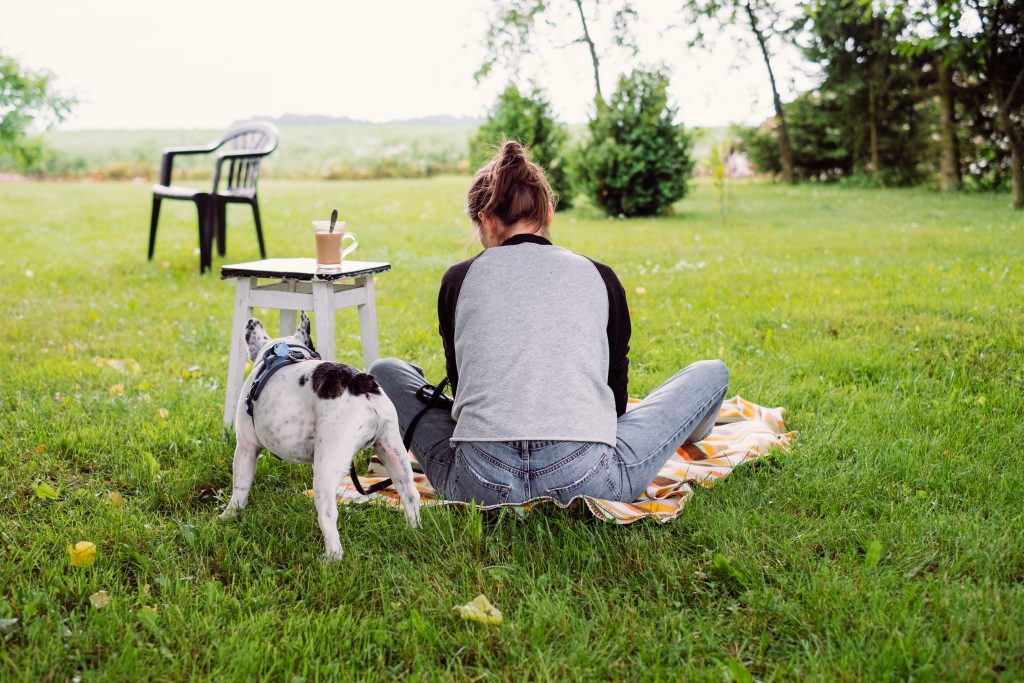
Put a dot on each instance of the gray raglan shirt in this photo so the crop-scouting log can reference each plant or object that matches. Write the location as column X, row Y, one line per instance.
column 536, row 339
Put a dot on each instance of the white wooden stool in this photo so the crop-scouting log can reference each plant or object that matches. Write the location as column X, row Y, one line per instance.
column 299, row 287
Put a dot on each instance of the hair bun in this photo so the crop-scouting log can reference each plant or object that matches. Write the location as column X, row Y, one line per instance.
column 511, row 187
column 512, row 166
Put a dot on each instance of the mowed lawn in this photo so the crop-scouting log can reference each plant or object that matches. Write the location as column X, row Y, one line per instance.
column 888, row 544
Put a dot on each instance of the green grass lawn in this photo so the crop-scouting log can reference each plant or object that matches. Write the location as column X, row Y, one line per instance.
column 887, row 544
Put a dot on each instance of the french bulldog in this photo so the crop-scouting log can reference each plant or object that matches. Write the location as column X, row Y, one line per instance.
column 314, row 412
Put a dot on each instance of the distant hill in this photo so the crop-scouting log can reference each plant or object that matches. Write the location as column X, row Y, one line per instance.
column 324, row 120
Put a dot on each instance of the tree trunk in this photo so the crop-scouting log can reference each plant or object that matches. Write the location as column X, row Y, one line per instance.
column 1016, row 155
column 593, row 51
column 1013, row 135
column 785, row 151
column 949, row 157
column 876, row 165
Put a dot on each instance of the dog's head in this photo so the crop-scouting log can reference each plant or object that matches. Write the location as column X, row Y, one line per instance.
column 257, row 339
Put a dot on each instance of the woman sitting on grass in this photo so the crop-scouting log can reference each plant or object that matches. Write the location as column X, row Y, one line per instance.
column 536, row 339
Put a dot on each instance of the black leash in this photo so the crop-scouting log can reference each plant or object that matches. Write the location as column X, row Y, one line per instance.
column 436, row 399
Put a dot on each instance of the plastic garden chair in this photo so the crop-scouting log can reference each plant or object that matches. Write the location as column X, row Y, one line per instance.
column 238, row 153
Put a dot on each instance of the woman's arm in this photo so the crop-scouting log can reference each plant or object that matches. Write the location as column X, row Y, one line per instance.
column 447, row 300
column 619, row 331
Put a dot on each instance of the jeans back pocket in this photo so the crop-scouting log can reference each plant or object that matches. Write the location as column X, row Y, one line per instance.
column 596, row 482
column 469, row 485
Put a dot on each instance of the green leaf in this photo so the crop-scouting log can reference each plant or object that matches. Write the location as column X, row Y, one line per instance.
column 722, row 569
column 873, row 553
column 44, row 491
column 737, row 672
column 151, row 462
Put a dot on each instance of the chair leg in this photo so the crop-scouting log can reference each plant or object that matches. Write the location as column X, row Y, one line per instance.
column 259, row 226
column 152, row 225
column 221, row 224
column 203, row 208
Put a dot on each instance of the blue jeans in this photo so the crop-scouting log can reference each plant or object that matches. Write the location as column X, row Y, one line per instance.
column 683, row 409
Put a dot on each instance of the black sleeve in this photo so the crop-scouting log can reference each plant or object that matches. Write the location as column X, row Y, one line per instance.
column 619, row 331
column 447, row 299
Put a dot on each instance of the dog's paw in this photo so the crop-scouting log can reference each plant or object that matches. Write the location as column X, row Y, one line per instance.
column 333, row 555
column 230, row 513
column 414, row 519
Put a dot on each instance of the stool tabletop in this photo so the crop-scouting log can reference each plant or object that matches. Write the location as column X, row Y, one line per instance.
column 300, row 269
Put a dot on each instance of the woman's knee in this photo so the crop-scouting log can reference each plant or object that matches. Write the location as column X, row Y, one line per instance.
column 714, row 372
column 383, row 366
column 392, row 372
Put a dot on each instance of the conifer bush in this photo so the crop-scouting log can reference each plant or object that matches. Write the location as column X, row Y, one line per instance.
column 637, row 160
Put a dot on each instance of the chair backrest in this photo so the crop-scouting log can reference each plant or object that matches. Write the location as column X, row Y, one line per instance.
column 258, row 138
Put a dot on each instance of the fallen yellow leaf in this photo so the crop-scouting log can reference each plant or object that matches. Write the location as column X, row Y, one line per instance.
column 163, row 413
column 127, row 365
column 115, row 499
column 82, row 554
column 481, row 610
column 116, row 390
column 99, row 599
column 44, row 491
column 641, row 290
column 39, row 450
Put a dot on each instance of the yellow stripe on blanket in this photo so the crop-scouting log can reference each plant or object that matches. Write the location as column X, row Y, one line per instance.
column 743, row 431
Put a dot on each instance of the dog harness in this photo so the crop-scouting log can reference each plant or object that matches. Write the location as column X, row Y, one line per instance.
column 278, row 356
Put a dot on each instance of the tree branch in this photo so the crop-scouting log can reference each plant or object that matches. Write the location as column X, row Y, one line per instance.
column 593, row 50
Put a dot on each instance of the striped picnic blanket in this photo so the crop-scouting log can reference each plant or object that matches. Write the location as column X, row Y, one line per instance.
column 743, row 431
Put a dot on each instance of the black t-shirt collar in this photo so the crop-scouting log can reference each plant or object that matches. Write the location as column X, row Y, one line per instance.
column 525, row 238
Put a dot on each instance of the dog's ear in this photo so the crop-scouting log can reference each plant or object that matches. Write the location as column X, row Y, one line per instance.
column 255, row 337
column 303, row 334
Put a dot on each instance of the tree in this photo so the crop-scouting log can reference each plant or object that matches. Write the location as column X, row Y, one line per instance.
column 999, row 63
column 878, row 87
column 514, row 25
column 981, row 43
column 638, row 159
column 527, row 119
column 928, row 36
column 765, row 20
column 821, row 143
column 27, row 98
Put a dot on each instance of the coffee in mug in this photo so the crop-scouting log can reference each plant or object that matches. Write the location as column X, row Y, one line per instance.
column 329, row 253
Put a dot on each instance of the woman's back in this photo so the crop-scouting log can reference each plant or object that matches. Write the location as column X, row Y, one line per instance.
column 528, row 325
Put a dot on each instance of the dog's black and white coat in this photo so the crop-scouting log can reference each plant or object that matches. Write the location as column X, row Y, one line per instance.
column 319, row 413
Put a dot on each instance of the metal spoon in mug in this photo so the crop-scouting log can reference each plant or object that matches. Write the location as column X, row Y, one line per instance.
column 334, row 219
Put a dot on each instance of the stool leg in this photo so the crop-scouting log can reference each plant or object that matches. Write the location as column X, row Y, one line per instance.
column 368, row 322
column 323, row 319
column 289, row 318
column 238, row 353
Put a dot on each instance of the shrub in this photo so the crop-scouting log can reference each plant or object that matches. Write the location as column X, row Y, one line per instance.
column 637, row 159
column 829, row 142
column 821, row 149
column 528, row 120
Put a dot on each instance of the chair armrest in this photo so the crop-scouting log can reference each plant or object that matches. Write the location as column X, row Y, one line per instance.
column 167, row 158
column 204, row 149
column 243, row 154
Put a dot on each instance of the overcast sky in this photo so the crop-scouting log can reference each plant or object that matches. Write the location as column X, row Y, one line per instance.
column 205, row 64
